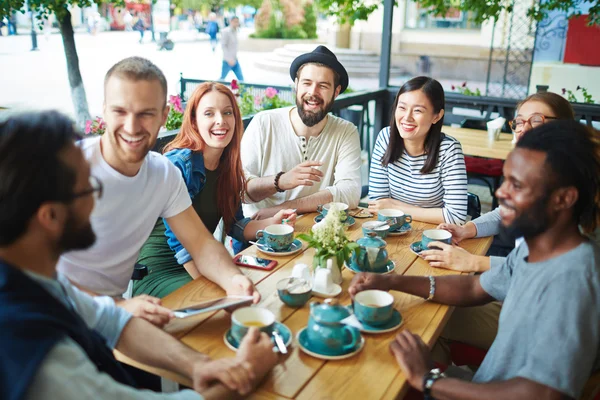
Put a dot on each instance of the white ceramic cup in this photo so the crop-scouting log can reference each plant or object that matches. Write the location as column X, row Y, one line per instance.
column 323, row 282
column 302, row 271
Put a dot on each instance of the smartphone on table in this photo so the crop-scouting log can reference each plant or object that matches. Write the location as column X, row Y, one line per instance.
column 244, row 260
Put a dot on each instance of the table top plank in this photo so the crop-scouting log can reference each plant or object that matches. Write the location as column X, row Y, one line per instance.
column 475, row 142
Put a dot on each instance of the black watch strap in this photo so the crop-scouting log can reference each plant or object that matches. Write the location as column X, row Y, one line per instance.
column 428, row 380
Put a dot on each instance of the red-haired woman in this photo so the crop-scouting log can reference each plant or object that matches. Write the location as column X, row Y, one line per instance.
column 207, row 151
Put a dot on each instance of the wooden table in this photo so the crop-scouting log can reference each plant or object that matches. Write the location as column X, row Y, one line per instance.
column 475, row 142
column 372, row 374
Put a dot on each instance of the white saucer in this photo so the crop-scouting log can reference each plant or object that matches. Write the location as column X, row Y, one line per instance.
column 337, row 289
column 326, row 357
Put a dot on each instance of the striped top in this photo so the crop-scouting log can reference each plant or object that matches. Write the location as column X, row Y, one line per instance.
column 445, row 187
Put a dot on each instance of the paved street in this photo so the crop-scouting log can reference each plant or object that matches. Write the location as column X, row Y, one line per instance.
column 39, row 79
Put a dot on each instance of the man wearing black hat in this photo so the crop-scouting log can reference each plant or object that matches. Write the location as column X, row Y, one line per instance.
column 300, row 157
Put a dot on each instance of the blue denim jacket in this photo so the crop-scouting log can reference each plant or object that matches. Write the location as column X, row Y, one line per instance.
column 192, row 168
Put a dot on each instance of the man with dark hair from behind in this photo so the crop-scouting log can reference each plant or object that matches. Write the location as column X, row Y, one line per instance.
column 57, row 340
column 548, row 337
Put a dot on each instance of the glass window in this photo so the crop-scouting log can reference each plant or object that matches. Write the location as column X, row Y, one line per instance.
column 417, row 18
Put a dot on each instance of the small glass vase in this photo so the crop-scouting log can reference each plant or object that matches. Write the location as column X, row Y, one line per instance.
column 336, row 272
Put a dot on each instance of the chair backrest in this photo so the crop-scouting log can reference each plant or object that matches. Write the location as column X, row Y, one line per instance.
column 473, row 205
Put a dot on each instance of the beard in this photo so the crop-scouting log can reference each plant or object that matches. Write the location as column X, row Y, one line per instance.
column 76, row 237
column 532, row 221
column 311, row 118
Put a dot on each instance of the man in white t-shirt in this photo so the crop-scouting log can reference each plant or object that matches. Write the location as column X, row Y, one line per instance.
column 302, row 156
column 139, row 187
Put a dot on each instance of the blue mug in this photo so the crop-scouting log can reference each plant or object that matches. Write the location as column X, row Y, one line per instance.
column 323, row 209
column 374, row 307
column 245, row 318
column 278, row 237
column 435, row 235
column 395, row 218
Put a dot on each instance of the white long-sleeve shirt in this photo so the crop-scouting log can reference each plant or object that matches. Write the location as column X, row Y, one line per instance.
column 444, row 187
column 270, row 145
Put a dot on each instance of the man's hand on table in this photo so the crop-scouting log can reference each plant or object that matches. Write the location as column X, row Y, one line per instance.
column 148, row 308
column 241, row 285
column 236, row 374
column 367, row 281
column 450, row 257
column 256, row 350
column 413, row 357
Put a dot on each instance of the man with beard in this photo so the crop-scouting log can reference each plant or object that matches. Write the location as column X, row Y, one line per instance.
column 141, row 186
column 548, row 337
column 300, row 157
column 56, row 340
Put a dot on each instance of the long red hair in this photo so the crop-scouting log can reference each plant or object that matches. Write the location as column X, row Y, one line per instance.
column 231, row 182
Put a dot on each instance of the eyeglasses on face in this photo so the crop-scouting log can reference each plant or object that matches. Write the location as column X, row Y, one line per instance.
column 95, row 189
column 518, row 124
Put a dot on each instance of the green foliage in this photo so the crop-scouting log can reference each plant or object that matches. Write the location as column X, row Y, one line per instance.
column 310, row 21
column 349, row 11
column 571, row 96
column 277, row 27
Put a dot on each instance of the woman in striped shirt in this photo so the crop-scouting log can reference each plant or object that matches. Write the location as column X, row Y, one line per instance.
column 415, row 167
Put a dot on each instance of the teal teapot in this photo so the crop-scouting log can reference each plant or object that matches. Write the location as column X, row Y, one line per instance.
column 326, row 333
column 371, row 255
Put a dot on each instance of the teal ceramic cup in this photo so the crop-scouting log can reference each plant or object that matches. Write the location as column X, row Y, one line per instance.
column 395, row 218
column 245, row 318
column 435, row 235
column 323, row 209
column 294, row 292
column 278, row 237
column 373, row 307
column 375, row 227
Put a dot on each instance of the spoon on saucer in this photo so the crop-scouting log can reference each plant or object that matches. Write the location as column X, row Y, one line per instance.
column 262, row 245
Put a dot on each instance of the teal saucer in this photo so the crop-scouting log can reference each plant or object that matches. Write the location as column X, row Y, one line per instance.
column 305, row 346
column 390, row 267
column 416, row 247
column 394, row 323
column 349, row 222
column 403, row 230
column 295, row 247
column 285, row 332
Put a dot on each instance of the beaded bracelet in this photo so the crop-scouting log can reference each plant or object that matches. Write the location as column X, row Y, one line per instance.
column 276, row 182
column 431, row 288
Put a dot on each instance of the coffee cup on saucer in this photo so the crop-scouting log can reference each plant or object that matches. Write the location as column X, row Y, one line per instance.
column 279, row 237
column 323, row 209
column 435, row 235
column 373, row 307
column 396, row 219
column 245, row 318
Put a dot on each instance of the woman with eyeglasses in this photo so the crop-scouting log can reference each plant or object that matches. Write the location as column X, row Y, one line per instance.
column 207, row 151
column 477, row 326
column 535, row 110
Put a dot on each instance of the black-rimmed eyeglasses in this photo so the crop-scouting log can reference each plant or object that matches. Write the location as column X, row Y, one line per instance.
column 95, row 189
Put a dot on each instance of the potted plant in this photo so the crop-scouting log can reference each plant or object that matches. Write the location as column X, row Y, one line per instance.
column 329, row 240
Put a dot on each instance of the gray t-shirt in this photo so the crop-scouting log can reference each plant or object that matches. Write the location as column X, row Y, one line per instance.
column 549, row 327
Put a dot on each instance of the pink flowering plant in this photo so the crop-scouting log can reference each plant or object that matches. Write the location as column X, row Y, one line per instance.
column 175, row 117
column 250, row 104
column 464, row 89
column 97, row 126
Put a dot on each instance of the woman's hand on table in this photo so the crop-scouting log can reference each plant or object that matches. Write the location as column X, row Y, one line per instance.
column 367, row 281
column 256, row 351
column 413, row 357
column 241, row 285
column 148, row 308
column 450, row 257
column 236, row 374
column 381, row 204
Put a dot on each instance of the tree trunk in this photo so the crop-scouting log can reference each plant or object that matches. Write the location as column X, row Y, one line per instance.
column 80, row 105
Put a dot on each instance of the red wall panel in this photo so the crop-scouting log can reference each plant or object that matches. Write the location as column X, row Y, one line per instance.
column 583, row 42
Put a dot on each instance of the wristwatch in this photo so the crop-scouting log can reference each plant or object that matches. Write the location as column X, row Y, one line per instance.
column 429, row 379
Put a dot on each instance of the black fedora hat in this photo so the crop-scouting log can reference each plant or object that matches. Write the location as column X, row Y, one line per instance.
column 323, row 56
